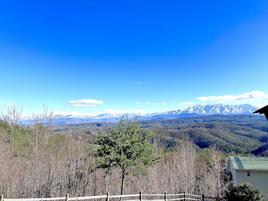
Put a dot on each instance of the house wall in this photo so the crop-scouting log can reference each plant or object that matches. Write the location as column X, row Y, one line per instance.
column 257, row 178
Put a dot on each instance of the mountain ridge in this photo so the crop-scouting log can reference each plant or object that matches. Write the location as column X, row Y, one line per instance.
column 193, row 111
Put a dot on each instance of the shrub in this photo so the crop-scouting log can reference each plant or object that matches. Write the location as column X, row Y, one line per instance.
column 244, row 192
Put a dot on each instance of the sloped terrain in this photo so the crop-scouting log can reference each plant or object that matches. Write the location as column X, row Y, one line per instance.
column 238, row 133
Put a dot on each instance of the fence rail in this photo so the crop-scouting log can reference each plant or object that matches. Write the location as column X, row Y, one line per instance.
column 132, row 197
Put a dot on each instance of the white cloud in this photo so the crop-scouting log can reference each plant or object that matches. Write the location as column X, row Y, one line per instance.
column 253, row 95
column 138, row 83
column 85, row 103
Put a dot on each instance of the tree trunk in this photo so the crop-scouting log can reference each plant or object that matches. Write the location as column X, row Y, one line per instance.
column 122, row 182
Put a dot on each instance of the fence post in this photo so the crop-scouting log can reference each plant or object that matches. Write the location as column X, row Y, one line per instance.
column 107, row 198
column 203, row 197
column 140, row 196
column 165, row 196
column 1, row 197
column 67, row 197
column 184, row 196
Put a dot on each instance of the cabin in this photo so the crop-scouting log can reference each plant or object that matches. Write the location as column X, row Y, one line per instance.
column 253, row 170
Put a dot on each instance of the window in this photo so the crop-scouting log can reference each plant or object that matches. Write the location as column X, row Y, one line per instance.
column 248, row 174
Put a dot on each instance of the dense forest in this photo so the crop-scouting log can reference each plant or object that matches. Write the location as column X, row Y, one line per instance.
column 243, row 134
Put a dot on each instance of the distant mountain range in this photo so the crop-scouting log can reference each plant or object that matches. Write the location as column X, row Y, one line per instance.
column 215, row 109
column 194, row 111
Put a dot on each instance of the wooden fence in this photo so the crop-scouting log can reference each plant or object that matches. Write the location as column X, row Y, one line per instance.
column 132, row 197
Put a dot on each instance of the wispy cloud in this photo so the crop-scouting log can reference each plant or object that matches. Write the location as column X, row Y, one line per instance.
column 85, row 103
column 138, row 83
column 253, row 95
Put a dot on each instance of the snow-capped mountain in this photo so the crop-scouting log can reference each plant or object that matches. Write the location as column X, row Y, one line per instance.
column 194, row 111
column 220, row 109
column 205, row 110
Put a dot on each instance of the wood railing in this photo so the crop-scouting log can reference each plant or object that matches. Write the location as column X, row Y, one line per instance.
column 132, row 197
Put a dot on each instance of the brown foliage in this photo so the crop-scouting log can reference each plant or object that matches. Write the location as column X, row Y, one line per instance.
column 56, row 164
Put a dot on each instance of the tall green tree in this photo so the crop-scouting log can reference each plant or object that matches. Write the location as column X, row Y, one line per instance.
column 125, row 147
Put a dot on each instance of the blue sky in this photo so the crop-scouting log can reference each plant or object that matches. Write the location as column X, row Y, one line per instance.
column 144, row 56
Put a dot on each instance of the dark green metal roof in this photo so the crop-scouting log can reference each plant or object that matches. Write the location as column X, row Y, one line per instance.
column 249, row 163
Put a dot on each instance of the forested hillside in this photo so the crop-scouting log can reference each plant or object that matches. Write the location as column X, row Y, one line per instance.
column 229, row 133
column 237, row 134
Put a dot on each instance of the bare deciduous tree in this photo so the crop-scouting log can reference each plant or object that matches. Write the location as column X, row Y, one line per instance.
column 56, row 164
